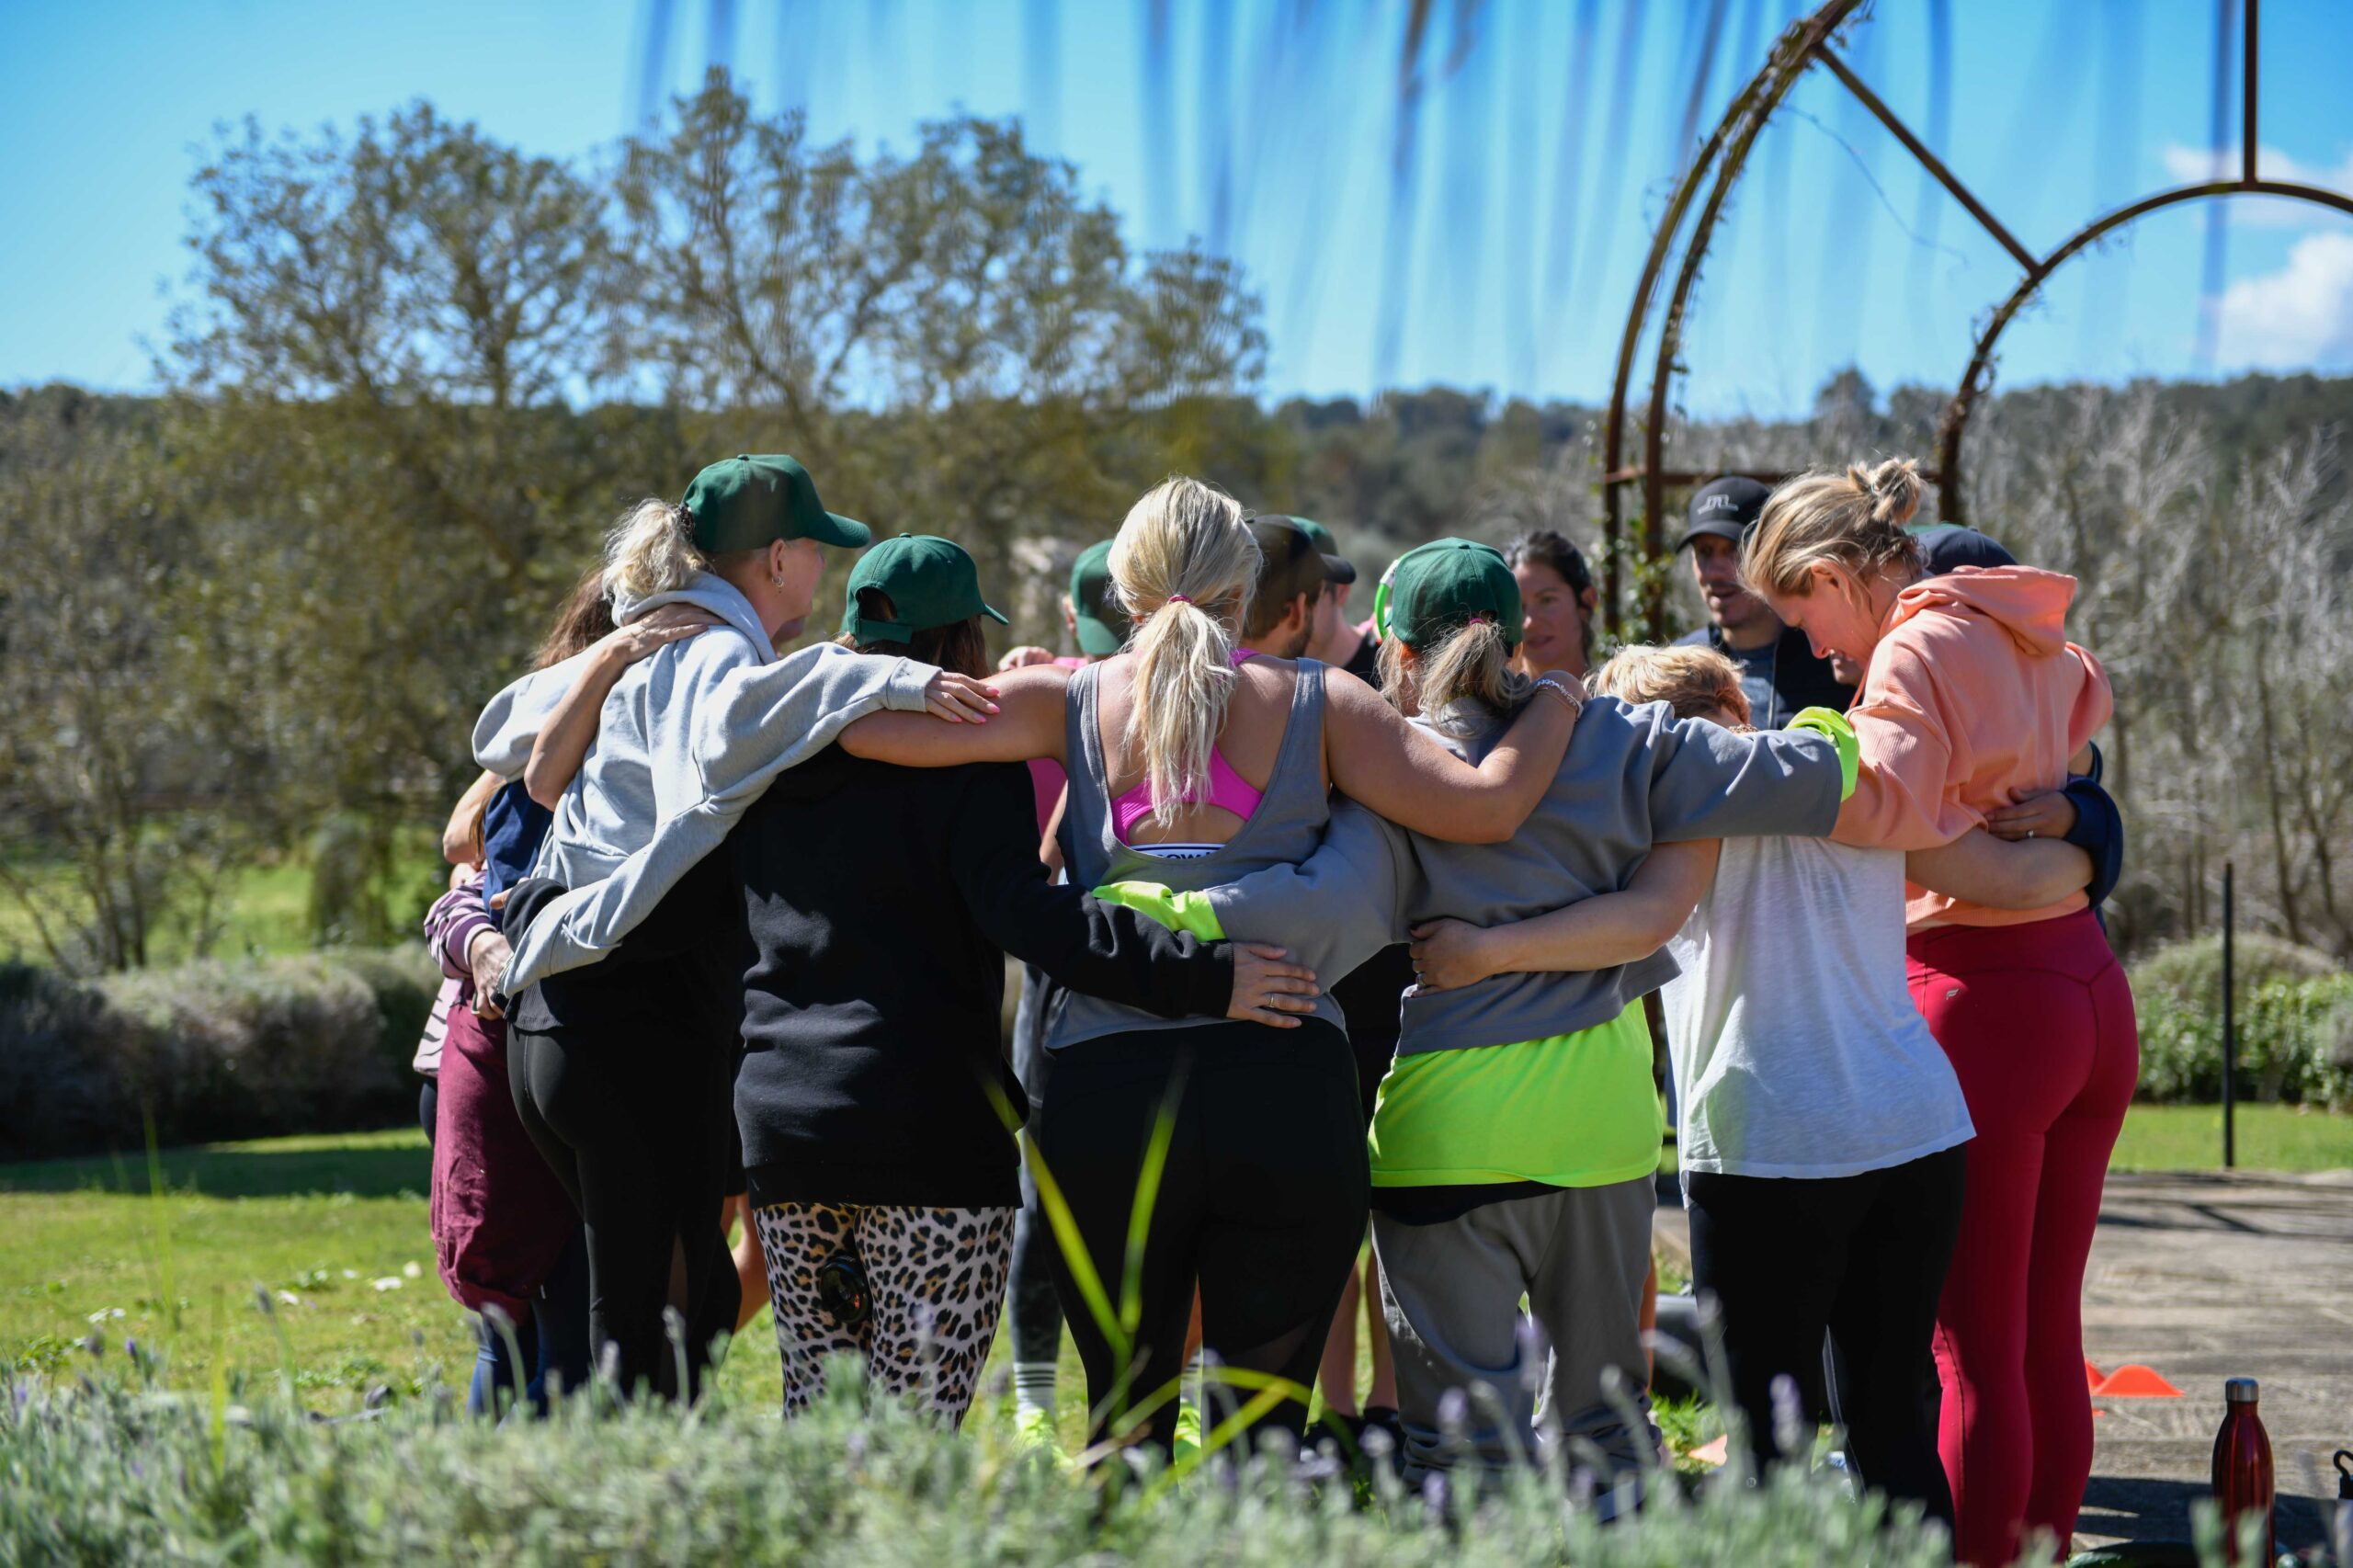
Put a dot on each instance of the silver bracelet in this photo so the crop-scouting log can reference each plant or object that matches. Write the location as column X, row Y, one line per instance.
column 1575, row 700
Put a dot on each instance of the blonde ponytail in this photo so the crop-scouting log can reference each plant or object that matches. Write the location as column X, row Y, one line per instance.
column 1853, row 519
column 652, row 550
column 1184, row 561
column 1471, row 669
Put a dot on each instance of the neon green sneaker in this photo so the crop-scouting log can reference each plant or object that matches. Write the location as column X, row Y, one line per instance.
column 1034, row 1428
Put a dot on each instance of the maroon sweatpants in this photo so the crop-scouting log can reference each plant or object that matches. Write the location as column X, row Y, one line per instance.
column 499, row 1215
column 2038, row 1021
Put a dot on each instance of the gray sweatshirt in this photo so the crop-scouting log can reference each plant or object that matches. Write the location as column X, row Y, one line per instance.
column 1632, row 777
column 688, row 738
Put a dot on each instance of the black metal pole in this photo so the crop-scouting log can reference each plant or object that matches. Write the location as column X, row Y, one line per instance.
column 2230, row 1024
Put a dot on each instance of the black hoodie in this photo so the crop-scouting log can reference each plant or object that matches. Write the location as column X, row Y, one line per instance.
column 879, row 904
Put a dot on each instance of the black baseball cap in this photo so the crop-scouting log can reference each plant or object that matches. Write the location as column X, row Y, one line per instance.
column 1289, row 563
column 1726, row 507
column 1320, row 534
column 929, row 582
column 1944, row 546
column 1095, row 603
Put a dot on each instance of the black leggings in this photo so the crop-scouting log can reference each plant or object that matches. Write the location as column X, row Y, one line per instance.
column 633, row 1114
column 1033, row 1312
column 1261, row 1203
column 1861, row 1256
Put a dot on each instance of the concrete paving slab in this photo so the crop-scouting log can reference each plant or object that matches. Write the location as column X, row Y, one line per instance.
column 2204, row 1276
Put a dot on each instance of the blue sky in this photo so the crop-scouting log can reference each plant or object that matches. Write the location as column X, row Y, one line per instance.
column 1511, row 269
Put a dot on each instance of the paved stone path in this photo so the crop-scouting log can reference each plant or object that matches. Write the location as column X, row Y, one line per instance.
column 2205, row 1276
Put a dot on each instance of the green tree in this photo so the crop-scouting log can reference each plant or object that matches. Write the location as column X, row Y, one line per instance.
column 957, row 341
column 126, row 772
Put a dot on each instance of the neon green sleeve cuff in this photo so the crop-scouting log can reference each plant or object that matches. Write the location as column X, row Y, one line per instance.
column 1178, row 911
column 1821, row 721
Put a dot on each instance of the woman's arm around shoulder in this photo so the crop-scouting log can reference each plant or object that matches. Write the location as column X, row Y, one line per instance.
column 1396, row 769
column 1027, row 724
column 1995, row 873
column 1901, row 799
column 563, row 741
column 461, row 836
column 1607, row 931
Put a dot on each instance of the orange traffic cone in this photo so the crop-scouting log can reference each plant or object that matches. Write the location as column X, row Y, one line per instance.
column 2132, row 1380
column 2093, row 1376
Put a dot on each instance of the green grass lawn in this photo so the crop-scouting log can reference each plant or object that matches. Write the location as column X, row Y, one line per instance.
column 2189, row 1137
column 2269, row 1138
column 336, row 1223
column 334, row 1230
column 266, row 910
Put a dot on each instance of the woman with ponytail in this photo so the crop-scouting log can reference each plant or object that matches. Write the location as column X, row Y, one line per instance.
column 1517, row 1136
column 621, row 1069
column 1974, row 700
column 1191, row 764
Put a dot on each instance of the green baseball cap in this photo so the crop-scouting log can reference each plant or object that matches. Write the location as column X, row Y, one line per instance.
column 1438, row 587
column 744, row 502
column 1095, row 603
column 929, row 581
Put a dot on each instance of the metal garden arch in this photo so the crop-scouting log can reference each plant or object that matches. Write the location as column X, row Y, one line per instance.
column 1719, row 164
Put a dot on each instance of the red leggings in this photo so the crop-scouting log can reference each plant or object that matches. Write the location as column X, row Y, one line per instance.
column 2038, row 1021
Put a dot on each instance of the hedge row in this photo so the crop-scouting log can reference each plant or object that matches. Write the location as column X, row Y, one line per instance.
column 2294, row 1024
column 250, row 1049
column 321, row 1042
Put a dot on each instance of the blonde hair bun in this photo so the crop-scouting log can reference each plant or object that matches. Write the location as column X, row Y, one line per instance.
column 1852, row 520
column 1893, row 486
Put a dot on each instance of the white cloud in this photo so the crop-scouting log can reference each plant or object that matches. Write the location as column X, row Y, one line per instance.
column 2297, row 317
column 2191, row 165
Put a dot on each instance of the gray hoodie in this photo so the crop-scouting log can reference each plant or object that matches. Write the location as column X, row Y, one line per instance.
column 1632, row 777
column 688, row 737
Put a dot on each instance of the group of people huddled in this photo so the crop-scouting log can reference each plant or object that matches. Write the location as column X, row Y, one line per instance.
column 1325, row 926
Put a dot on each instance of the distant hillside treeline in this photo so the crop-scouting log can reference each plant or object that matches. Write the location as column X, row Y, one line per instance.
column 416, row 372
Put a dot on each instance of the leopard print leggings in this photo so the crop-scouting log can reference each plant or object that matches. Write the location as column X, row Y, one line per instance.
column 935, row 1278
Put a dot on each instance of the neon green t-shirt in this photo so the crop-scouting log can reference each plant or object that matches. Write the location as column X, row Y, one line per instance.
column 1570, row 1110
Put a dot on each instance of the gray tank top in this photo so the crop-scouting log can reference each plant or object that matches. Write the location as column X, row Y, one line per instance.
column 1284, row 829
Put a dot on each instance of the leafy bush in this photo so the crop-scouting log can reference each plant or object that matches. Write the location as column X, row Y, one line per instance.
column 2295, row 1023
column 111, row 1474
column 209, row 1049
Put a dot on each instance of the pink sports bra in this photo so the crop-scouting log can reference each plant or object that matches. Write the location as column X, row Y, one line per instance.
column 1228, row 789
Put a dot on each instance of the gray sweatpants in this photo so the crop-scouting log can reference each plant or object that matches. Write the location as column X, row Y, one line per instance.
column 1451, row 1292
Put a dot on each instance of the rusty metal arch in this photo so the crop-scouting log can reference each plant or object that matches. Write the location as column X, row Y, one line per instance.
column 1790, row 57
column 1955, row 423
column 1808, row 43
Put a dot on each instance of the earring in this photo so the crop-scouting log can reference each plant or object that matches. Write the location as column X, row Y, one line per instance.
column 775, row 582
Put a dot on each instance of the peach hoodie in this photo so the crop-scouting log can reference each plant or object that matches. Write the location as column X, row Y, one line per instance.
column 1974, row 699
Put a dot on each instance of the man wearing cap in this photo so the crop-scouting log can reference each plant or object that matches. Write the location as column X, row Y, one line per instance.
column 1294, row 578
column 1778, row 672
column 1337, row 640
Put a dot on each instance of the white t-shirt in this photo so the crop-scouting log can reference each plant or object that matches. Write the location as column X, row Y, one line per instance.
column 1797, row 1050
